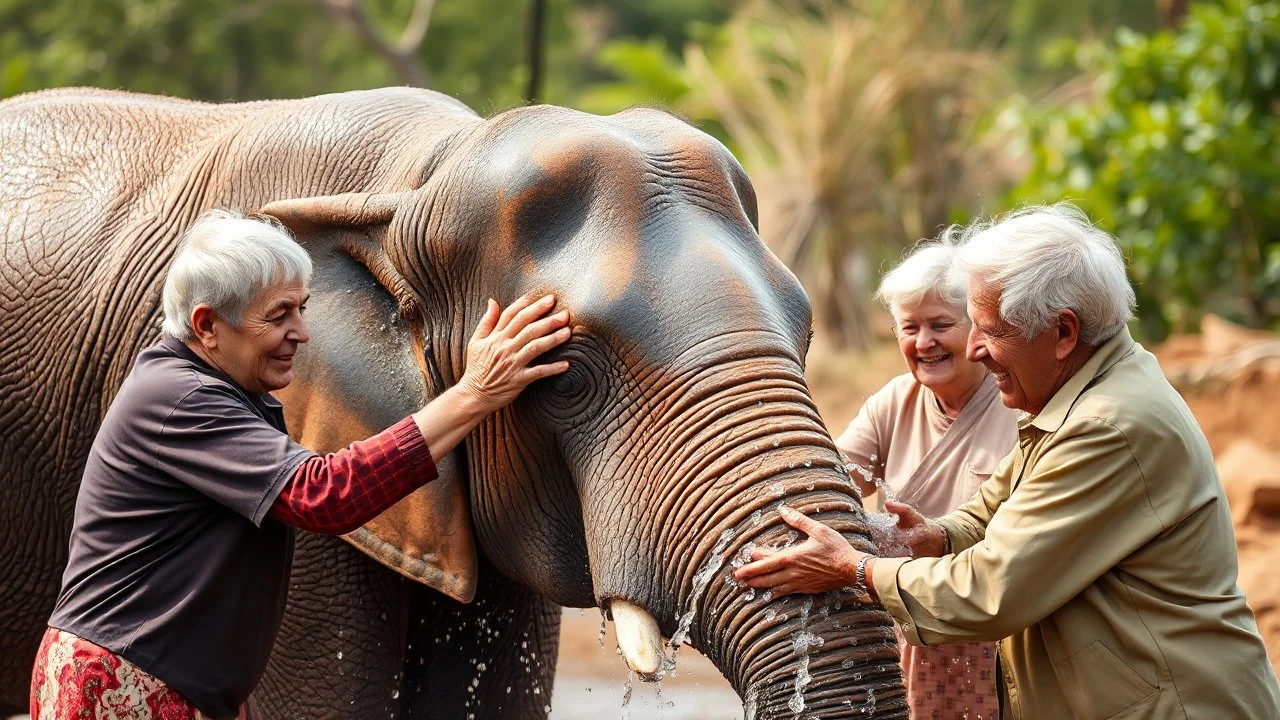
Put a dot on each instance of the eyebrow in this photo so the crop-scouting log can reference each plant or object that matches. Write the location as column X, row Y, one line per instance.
column 934, row 318
column 284, row 304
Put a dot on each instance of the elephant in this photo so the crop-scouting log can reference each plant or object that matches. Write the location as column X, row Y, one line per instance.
column 633, row 482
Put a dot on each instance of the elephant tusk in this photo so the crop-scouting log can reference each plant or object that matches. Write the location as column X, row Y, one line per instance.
column 638, row 637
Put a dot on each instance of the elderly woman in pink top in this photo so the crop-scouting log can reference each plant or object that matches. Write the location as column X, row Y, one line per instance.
column 928, row 439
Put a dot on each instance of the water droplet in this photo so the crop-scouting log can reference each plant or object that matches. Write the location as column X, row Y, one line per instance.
column 339, row 654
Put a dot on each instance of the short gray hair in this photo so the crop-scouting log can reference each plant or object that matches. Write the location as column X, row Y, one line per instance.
column 928, row 270
column 225, row 260
column 1045, row 259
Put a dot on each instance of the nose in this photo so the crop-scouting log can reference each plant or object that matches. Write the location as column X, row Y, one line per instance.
column 975, row 348
column 925, row 338
column 300, row 332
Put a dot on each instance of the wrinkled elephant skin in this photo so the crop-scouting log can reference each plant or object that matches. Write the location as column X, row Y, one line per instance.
column 632, row 481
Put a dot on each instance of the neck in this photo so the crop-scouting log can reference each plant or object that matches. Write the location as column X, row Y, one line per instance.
column 954, row 401
column 1067, row 369
column 203, row 353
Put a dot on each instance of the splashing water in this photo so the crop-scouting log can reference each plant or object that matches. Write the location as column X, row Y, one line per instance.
column 803, row 678
column 801, row 641
column 701, row 580
column 743, row 556
column 604, row 626
column 752, row 705
column 626, row 695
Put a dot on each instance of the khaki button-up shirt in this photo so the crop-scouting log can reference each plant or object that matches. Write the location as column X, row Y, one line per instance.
column 1101, row 554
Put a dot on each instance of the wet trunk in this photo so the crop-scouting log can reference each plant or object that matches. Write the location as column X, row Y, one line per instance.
column 810, row 656
column 748, row 442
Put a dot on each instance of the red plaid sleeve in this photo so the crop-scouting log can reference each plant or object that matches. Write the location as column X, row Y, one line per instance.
column 339, row 492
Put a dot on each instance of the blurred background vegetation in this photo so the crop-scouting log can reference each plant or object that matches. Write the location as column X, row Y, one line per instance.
column 865, row 124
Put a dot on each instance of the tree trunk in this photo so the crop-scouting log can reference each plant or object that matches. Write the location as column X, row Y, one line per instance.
column 537, row 14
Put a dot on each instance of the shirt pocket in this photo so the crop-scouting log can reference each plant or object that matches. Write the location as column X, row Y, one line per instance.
column 975, row 473
column 1098, row 685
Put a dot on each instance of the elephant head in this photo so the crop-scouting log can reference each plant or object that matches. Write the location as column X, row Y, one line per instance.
column 635, row 480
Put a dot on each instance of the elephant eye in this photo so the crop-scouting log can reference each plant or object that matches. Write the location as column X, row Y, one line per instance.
column 568, row 383
column 571, row 396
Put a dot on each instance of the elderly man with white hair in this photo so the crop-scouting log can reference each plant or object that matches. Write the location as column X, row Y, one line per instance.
column 1100, row 554
column 183, row 533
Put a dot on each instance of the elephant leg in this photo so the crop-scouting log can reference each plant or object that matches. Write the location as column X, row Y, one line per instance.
column 35, row 522
column 340, row 650
column 493, row 659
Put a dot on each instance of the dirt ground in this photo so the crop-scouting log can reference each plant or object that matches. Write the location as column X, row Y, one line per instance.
column 1230, row 378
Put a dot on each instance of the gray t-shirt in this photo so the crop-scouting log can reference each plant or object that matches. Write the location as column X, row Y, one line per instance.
column 174, row 565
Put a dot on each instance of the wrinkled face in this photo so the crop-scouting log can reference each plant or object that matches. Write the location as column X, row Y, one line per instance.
column 932, row 335
column 258, row 355
column 1027, row 372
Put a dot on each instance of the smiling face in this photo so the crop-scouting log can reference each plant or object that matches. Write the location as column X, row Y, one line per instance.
column 931, row 335
column 1027, row 372
column 259, row 354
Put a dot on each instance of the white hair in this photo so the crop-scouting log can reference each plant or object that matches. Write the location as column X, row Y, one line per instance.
column 225, row 260
column 1045, row 259
column 928, row 270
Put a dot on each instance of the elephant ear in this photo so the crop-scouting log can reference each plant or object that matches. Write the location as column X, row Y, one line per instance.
column 363, row 371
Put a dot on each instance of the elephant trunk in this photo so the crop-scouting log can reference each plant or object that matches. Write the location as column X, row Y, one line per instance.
column 747, row 443
column 800, row 656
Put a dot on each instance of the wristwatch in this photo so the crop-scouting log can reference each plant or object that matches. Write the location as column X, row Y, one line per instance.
column 860, row 576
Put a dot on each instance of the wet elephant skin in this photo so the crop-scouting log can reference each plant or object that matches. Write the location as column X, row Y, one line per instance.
column 636, row 476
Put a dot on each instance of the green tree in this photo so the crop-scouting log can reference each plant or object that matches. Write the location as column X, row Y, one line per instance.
column 1178, row 154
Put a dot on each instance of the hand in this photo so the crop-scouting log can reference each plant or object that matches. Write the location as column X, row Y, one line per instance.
column 503, row 346
column 924, row 537
column 825, row 561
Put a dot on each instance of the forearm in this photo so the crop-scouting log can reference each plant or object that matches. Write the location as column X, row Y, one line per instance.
column 336, row 493
column 449, row 418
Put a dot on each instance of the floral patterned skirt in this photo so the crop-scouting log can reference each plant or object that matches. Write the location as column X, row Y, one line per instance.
column 946, row 682
column 74, row 679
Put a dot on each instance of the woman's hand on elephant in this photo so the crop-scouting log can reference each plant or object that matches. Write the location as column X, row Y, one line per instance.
column 824, row 561
column 504, row 346
column 924, row 537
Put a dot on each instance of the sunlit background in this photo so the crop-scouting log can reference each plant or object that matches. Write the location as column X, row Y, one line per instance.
column 865, row 126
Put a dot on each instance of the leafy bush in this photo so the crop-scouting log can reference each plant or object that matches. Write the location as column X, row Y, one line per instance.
column 1178, row 153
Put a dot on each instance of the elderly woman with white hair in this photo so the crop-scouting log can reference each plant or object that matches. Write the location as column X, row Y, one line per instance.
column 183, row 533
column 1100, row 553
column 928, row 439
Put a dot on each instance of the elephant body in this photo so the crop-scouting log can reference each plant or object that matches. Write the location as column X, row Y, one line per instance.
column 683, row 422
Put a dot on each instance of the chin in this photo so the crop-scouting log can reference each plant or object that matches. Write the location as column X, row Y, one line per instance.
column 934, row 380
column 277, row 383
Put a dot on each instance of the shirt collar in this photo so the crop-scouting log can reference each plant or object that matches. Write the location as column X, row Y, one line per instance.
column 1055, row 411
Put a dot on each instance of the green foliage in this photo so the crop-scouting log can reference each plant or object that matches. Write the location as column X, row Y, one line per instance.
column 647, row 74
column 1178, row 154
column 1035, row 32
column 204, row 49
column 474, row 50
